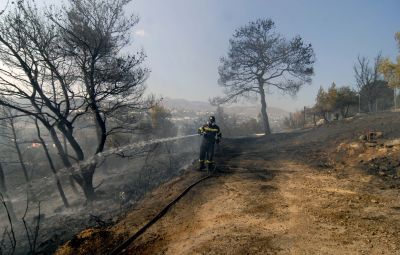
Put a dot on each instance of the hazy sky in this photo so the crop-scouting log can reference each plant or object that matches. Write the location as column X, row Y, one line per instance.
column 184, row 39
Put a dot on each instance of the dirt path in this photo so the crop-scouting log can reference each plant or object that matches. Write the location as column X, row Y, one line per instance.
column 261, row 203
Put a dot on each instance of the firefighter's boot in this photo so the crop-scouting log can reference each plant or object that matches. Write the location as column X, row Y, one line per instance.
column 210, row 165
column 202, row 165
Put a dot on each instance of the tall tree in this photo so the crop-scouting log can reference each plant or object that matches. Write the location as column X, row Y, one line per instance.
column 60, row 67
column 35, row 78
column 95, row 34
column 260, row 59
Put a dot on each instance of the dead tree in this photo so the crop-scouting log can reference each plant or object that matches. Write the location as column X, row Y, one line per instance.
column 260, row 59
column 29, row 83
column 367, row 79
column 94, row 34
column 71, row 66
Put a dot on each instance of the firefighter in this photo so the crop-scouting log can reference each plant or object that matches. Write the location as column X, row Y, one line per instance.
column 211, row 135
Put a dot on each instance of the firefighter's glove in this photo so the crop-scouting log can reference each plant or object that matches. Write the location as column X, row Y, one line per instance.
column 217, row 141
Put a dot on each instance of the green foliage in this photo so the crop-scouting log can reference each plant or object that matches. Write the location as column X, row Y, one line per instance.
column 345, row 97
column 322, row 105
column 391, row 70
column 335, row 100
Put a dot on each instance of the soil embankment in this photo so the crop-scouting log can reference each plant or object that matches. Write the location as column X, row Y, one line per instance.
column 315, row 191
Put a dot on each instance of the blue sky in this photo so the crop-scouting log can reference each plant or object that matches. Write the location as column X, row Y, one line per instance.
column 184, row 40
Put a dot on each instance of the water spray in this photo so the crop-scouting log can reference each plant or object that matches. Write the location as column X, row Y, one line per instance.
column 119, row 150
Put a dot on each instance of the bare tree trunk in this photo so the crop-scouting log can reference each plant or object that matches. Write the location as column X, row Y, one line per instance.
column 65, row 145
column 87, row 184
column 3, row 191
column 101, row 131
column 99, row 120
column 71, row 139
column 52, row 167
column 86, row 178
column 63, row 156
column 85, row 181
column 264, row 114
column 57, row 143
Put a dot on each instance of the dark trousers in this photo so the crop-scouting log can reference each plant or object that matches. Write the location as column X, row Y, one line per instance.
column 206, row 151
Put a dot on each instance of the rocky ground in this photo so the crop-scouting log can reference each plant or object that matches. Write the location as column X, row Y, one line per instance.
column 315, row 191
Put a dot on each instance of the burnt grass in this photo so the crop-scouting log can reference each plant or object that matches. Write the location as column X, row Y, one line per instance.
column 132, row 176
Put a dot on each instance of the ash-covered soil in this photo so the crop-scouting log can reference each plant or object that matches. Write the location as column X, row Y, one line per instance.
column 120, row 182
column 314, row 191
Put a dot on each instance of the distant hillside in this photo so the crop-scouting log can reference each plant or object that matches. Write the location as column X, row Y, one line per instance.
column 273, row 112
column 183, row 104
column 199, row 106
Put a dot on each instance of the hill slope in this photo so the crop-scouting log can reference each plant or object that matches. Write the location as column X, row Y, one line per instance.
column 199, row 106
column 315, row 191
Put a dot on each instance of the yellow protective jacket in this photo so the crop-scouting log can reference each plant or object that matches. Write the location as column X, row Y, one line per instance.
column 210, row 132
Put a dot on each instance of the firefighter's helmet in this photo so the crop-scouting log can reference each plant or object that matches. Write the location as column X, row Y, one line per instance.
column 211, row 119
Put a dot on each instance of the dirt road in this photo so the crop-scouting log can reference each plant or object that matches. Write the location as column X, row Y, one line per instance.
column 281, row 194
column 270, row 204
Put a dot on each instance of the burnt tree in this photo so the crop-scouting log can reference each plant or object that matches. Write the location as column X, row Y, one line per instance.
column 94, row 35
column 61, row 67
